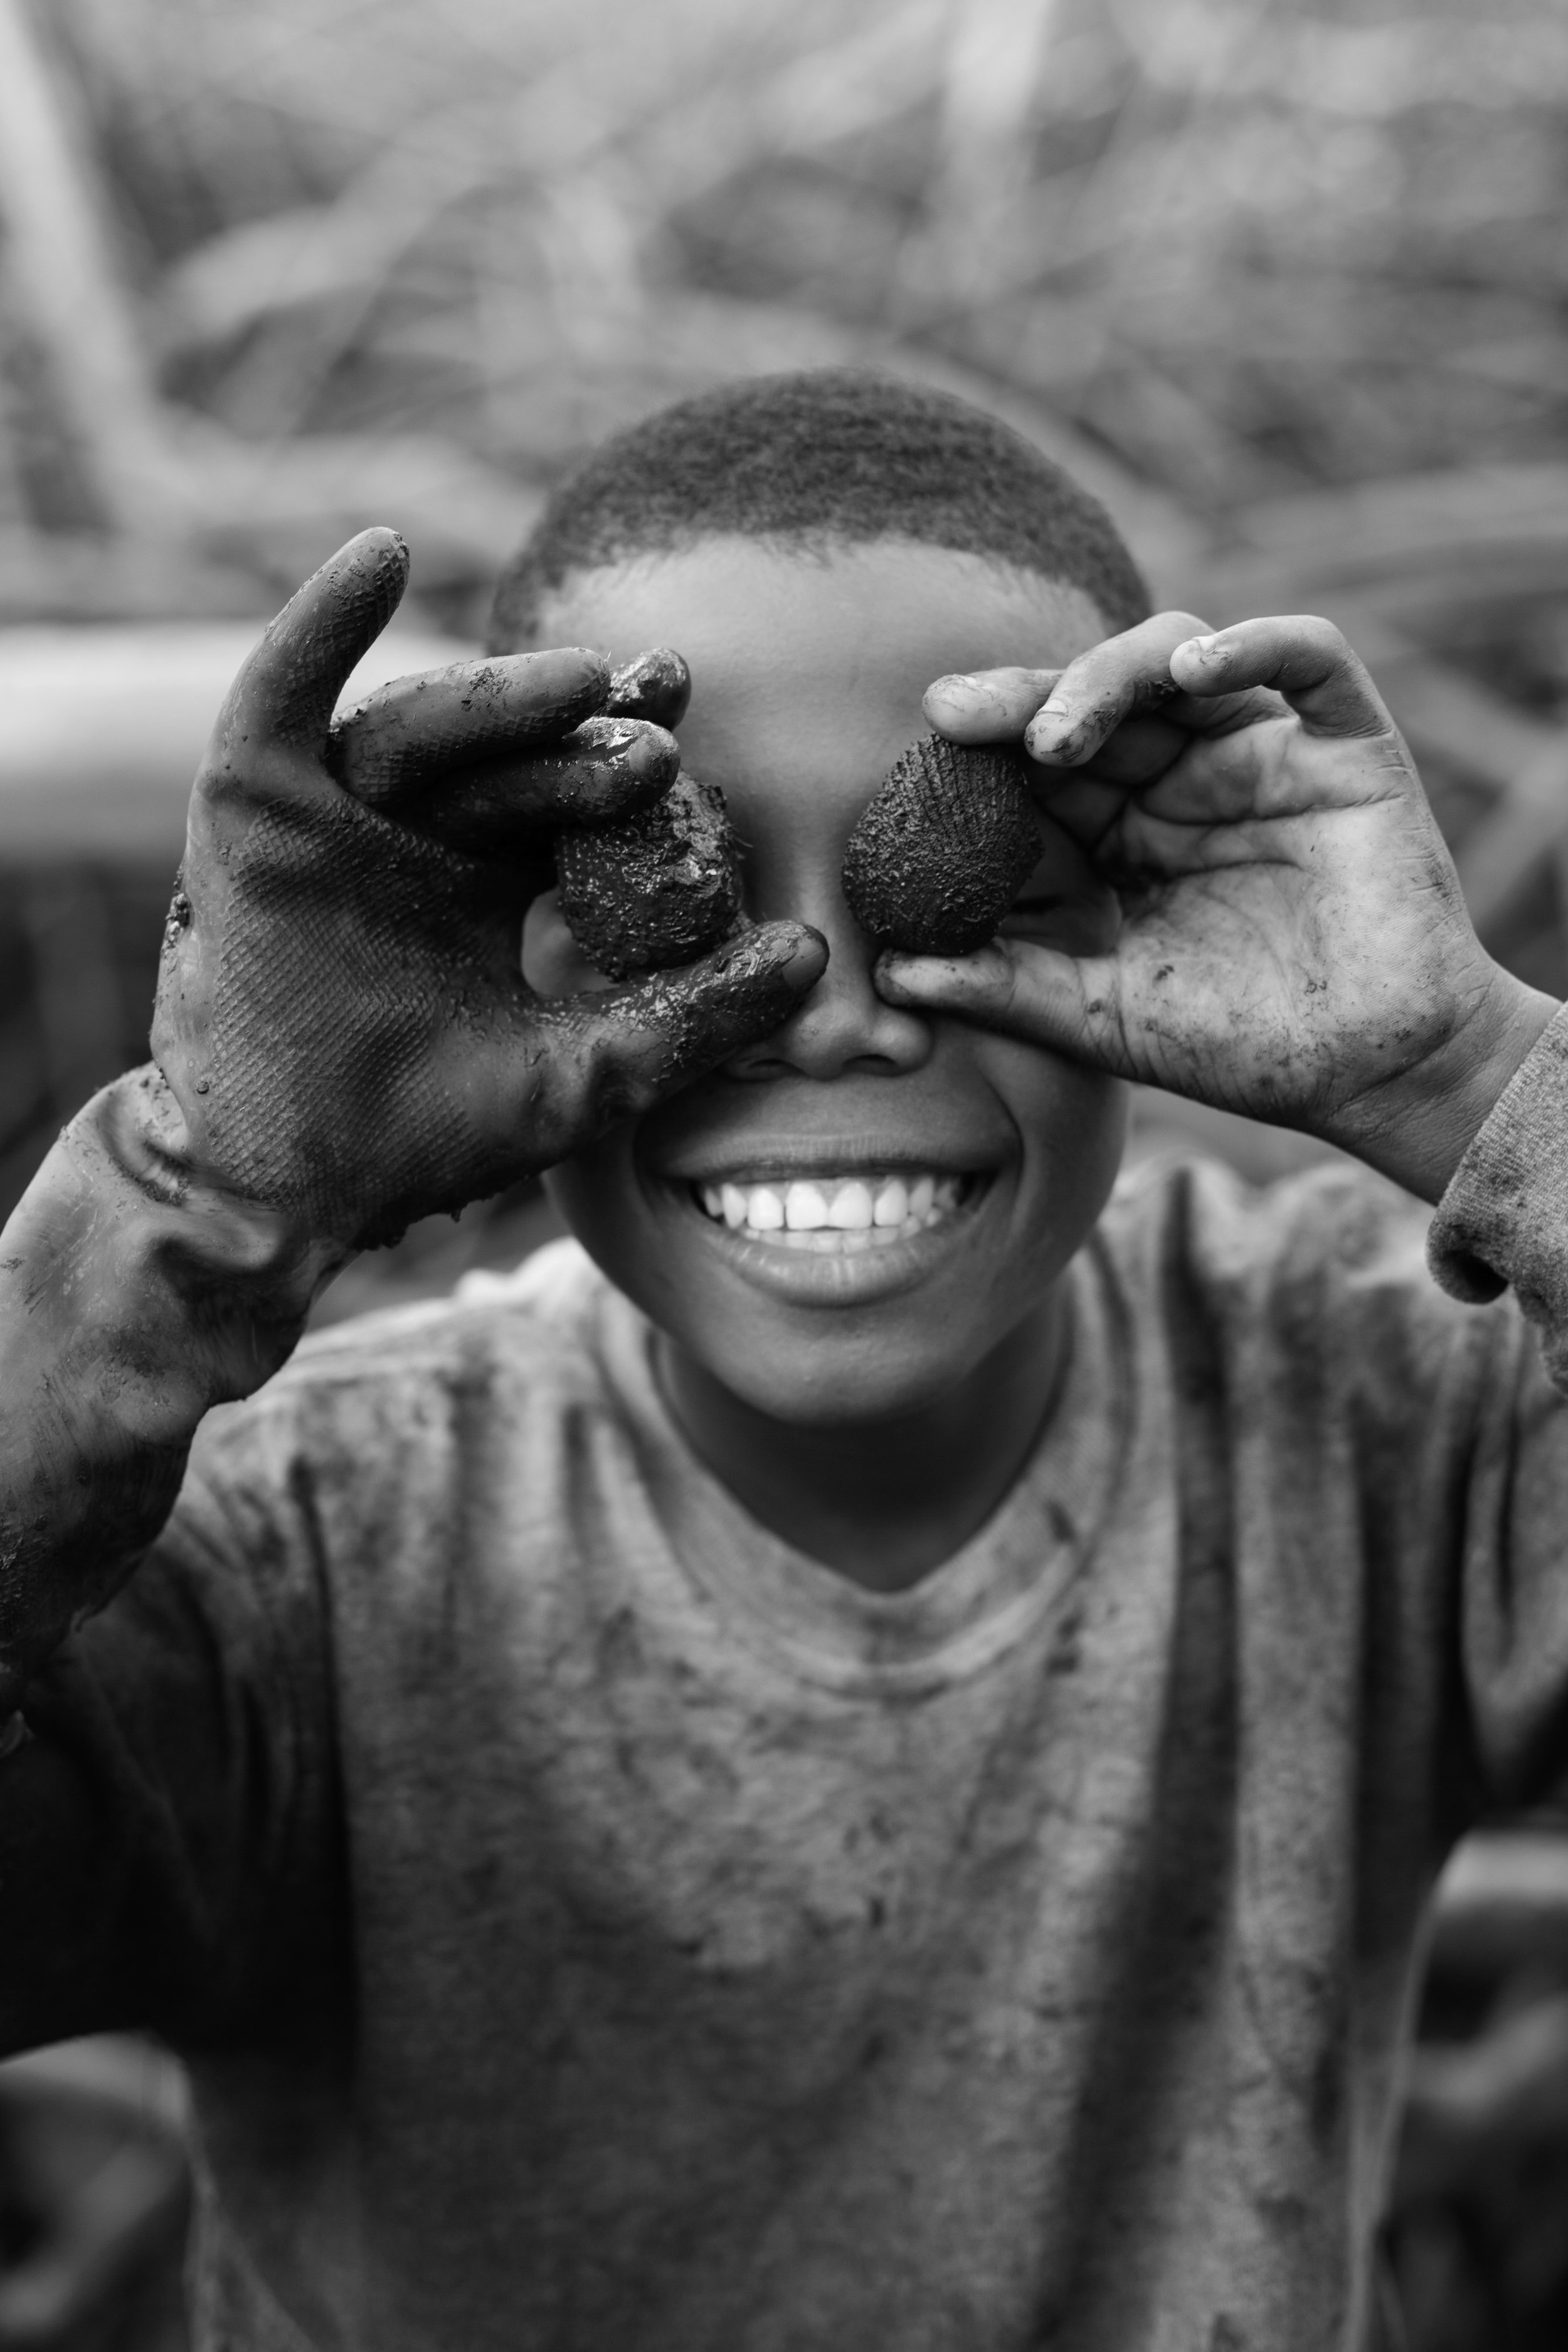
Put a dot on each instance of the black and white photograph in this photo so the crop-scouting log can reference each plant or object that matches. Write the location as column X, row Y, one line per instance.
column 783, row 1176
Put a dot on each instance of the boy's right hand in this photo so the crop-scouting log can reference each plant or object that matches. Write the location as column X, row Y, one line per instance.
column 1293, row 942
column 340, row 1012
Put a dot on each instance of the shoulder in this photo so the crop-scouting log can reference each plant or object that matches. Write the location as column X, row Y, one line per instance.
column 1336, row 1220
column 547, row 1313
column 391, row 1386
column 1334, row 1256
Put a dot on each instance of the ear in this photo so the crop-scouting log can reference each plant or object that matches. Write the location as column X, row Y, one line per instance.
column 553, row 962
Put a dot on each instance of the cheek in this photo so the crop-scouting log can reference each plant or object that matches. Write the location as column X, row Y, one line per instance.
column 596, row 1191
column 1073, row 1124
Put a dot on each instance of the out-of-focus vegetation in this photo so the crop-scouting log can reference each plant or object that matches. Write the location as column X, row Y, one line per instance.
column 421, row 254
column 1285, row 280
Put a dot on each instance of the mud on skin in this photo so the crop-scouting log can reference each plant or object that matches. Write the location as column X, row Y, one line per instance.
column 939, row 856
column 749, row 993
column 654, row 685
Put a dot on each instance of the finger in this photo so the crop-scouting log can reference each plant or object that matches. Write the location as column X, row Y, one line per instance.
column 286, row 690
column 1131, row 756
column 1068, row 1004
column 406, row 732
column 1300, row 656
column 1105, row 685
column 655, row 684
column 987, row 706
column 607, row 768
column 612, row 1057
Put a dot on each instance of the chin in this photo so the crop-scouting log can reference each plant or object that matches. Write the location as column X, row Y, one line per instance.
column 839, row 1379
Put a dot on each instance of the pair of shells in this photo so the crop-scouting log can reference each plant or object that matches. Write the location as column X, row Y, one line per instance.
column 933, row 866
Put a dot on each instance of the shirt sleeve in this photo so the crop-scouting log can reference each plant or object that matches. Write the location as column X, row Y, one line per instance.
column 1503, row 1222
column 1502, row 1227
column 170, row 1830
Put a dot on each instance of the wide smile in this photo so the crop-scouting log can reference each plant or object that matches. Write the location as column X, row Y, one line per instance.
column 842, row 1234
column 841, row 1213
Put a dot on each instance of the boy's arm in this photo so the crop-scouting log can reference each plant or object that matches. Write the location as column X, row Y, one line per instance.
column 343, row 1042
column 1292, row 942
column 1277, row 930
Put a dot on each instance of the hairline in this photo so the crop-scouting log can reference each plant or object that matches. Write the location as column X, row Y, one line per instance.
column 817, row 543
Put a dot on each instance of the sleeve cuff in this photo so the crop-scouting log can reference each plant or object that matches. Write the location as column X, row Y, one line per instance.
column 1503, row 1222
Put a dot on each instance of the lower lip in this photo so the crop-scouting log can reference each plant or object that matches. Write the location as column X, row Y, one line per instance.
column 826, row 1275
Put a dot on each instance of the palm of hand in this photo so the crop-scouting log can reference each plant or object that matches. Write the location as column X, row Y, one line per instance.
column 1288, row 939
column 1293, row 933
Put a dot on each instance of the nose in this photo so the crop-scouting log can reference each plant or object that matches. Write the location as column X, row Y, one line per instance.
column 843, row 1026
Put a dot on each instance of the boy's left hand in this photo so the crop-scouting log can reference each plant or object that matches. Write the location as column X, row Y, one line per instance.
column 1294, row 944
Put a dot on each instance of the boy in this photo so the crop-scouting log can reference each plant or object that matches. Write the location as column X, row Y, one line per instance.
column 857, row 1765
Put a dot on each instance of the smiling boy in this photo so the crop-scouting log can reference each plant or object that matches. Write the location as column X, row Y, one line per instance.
column 853, row 1756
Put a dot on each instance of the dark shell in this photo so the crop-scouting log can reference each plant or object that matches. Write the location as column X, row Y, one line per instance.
column 654, row 685
column 656, row 890
column 941, row 854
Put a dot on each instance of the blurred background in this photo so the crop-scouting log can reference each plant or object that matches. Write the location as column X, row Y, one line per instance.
column 1284, row 281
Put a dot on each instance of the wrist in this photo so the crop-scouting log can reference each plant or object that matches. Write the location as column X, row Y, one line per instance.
column 1418, row 1126
column 135, row 1135
column 136, row 1293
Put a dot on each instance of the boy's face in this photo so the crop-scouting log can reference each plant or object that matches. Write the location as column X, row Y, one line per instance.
column 807, row 675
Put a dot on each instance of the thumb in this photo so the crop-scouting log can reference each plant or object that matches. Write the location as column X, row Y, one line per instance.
column 1071, row 1005
column 612, row 1057
column 288, row 689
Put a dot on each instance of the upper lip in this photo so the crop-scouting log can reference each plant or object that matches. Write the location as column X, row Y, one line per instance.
column 720, row 1132
column 760, row 1162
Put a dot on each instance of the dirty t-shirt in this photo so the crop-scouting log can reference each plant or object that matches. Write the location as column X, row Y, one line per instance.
column 593, row 1923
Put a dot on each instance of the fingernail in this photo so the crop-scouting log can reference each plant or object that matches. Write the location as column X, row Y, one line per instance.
column 960, row 687
column 908, row 975
column 1210, row 646
column 798, row 952
column 1052, row 728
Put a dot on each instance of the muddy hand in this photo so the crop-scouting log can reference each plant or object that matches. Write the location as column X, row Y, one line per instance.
column 1293, row 943
column 341, row 1014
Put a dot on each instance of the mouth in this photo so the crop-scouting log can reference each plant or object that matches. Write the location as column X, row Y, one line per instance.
column 842, row 1212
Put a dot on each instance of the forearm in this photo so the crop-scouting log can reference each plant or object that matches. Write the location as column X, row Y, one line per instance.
column 135, row 1295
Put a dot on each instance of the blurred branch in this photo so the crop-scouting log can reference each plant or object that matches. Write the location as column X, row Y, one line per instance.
column 994, row 56
column 63, row 272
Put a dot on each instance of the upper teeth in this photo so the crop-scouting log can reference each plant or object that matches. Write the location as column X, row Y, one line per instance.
column 823, row 1211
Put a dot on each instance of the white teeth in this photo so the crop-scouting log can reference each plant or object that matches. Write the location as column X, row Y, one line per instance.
column 852, row 1208
column 843, row 1214
column 893, row 1205
column 804, row 1208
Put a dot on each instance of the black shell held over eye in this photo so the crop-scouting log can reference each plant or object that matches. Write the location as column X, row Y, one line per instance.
column 939, row 856
column 657, row 888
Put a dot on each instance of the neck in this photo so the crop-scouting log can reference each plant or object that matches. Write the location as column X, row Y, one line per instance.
column 884, row 1502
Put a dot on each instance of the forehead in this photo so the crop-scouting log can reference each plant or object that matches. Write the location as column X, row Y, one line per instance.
column 805, row 661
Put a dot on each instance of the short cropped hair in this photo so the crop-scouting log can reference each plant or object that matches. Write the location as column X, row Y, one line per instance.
column 826, row 456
